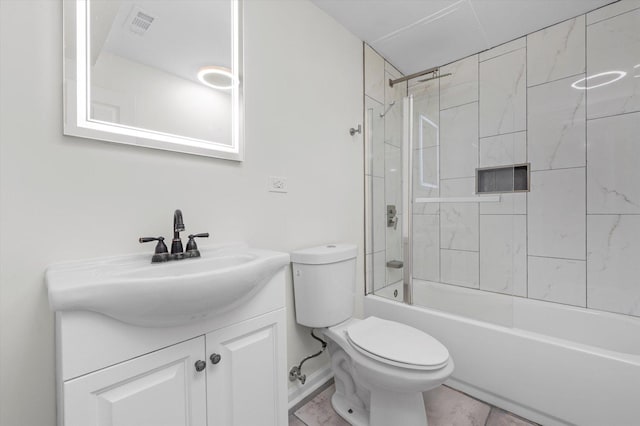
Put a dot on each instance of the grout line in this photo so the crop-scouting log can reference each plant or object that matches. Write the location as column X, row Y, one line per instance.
column 558, row 79
column 479, row 141
column 504, row 53
column 502, row 134
column 373, row 99
column 526, row 157
column 503, row 214
column 457, row 178
column 607, row 18
column 557, row 258
column 476, row 185
column 486, row 421
column 559, row 168
column 457, row 106
column 465, row 251
column 613, row 214
column 586, row 164
column 612, row 115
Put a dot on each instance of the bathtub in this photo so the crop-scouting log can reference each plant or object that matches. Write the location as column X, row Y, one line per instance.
column 551, row 363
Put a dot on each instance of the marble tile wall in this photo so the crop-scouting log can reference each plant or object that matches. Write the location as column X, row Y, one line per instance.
column 427, row 174
column 565, row 99
column 503, row 91
column 613, row 150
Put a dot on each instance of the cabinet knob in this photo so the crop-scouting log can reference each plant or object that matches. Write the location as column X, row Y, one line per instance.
column 200, row 365
column 215, row 358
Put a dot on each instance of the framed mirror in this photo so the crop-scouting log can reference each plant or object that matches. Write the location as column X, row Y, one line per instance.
column 163, row 74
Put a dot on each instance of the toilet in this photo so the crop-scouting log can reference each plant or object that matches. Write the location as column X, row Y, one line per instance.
column 380, row 367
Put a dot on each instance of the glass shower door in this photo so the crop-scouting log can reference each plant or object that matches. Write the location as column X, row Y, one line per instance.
column 384, row 212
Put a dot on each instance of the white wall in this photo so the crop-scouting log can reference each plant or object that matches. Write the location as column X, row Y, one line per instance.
column 162, row 101
column 66, row 198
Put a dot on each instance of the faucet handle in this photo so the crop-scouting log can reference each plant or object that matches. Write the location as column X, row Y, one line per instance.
column 160, row 253
column 202, row 235
column 192, row 247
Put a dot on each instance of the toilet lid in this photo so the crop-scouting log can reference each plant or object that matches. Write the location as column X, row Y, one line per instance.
column 398, row 344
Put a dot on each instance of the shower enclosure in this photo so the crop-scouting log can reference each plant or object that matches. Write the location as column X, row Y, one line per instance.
column 503, row 216
column 424, row 217
column 461, row 266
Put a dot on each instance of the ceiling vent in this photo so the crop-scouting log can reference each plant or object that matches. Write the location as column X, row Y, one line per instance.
column 139, row 21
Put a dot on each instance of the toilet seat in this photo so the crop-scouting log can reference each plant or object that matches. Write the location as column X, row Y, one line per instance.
column 397, row 344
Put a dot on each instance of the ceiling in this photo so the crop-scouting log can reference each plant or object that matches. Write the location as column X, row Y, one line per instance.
column 184, row 35
column 418, row 34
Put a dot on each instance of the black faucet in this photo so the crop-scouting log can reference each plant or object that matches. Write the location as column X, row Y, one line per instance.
column 177, row 251
column 176, row 244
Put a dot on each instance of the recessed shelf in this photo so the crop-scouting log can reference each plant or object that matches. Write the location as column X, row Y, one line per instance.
column 491, row 180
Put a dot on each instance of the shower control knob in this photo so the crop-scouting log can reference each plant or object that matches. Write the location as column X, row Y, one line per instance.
column 200, row 365
column 215, row 358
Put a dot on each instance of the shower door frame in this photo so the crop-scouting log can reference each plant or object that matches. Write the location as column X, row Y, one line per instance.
column 407, row 199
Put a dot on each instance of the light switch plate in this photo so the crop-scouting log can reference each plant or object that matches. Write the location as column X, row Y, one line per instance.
column 277, row 184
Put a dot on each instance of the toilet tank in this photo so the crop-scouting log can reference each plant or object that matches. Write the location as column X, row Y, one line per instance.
column 324, row 280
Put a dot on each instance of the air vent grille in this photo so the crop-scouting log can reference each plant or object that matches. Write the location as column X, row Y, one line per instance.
column 140, row 21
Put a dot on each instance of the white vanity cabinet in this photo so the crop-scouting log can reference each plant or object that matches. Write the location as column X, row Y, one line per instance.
column 243, row 386
column 160, row 389
column 114, row 373
column 239, row 382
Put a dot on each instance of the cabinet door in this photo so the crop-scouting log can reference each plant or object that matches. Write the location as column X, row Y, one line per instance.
column 247, row 387
column 162, row 388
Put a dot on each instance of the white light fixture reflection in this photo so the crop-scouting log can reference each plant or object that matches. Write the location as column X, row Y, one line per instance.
column 217, row 77
column 616, row 75
column 636, row 67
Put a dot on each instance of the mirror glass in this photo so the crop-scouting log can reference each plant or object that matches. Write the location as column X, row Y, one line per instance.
column 163, row 74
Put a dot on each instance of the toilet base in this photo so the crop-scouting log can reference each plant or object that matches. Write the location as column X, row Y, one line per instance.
column 387, row 408
column 356, row 416
column 393, row 408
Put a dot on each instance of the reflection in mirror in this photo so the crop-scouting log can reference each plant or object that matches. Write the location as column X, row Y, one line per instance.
column 157, row 73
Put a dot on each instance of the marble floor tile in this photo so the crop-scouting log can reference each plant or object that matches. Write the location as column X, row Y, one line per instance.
column 447, row 407
column 319, row 412
column 498, row 417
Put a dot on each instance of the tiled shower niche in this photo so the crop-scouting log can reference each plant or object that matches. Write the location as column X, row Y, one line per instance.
column 574, row 237
column 490, row 180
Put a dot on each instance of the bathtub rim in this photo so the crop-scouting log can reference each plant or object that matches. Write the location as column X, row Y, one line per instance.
column 633, row 359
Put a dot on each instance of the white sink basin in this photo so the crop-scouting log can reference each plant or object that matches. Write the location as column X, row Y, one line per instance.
column 133, row 290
